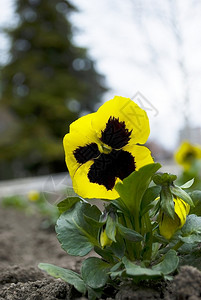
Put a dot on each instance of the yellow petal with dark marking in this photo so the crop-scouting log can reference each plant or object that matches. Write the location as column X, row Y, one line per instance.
column 127, row 111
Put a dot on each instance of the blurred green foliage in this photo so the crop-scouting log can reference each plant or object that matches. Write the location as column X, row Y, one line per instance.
column 46, row 84
column 15, row 201
column 49, row 213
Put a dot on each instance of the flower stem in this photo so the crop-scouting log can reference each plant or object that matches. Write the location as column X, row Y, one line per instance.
column 178, row 245
column 136, row 226
column 129, row 245
column 149, row 237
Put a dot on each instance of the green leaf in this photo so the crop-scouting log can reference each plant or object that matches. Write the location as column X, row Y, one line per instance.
column 78, row 237
column 67, row 275
column 191, row 259
column 196, row 197
column 129, row 234
column 193, row 224
column 187, row 184
column 177, row 191
column 118, row 248
column 93, row 294
column 67, row 203
column 149, row 196
column 116, row 266
column 193, row 238
column 95, row 272
column 111, row 228
column 169, row 263
column 116, row 270
column 166, row 201
column 138, row 271
column 93, row 222
column 116, row 274
column 118, row 203
column 191, row 231
column 105, row 253
column 133, row 187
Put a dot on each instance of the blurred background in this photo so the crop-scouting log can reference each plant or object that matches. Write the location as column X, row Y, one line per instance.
column 62, row 59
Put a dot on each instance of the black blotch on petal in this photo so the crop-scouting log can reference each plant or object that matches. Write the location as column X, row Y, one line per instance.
column 86, row 153
column 107, row 167
column 189, row 155
column 115, row 134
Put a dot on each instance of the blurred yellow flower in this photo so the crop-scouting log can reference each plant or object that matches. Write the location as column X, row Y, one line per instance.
column 33, row 195
column 167, row 225
column 101, row 149
column 186, row 154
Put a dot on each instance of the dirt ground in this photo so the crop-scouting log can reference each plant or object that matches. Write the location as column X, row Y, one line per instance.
column 24, row 244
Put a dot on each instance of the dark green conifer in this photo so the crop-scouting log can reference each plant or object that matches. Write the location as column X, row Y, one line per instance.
column 46, row 84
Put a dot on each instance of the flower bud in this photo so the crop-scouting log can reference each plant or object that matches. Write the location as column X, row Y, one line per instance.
column 167, row 225
column 104, row 240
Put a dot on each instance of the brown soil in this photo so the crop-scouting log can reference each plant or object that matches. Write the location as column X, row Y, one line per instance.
column 24, row 244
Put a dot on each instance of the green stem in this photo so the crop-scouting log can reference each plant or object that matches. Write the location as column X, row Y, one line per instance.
column 149, row 238
column 136, row 222
column 129, row 245
column 178, row 245
column 136, row 226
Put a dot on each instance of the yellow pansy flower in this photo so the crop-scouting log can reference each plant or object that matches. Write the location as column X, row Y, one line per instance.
column 101, row 149
column 186, row 154
column 167, row 225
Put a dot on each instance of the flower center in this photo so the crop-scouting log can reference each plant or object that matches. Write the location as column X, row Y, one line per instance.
column 190, row 155
column 103, row 148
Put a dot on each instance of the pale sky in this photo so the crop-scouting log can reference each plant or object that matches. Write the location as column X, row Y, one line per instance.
column 136, row 48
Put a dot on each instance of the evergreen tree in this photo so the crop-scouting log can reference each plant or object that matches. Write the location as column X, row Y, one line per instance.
column 47, row 82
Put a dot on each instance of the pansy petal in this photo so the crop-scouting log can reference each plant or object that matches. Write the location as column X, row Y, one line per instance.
column 186, row 154
column 81, row 135
column 126, row 111
column 86, row 189
column 197, row 151
column 142, row 155
column 181, row 209
column 82, row 123
column 182, row 153
column 70, row 144
column 76, row 147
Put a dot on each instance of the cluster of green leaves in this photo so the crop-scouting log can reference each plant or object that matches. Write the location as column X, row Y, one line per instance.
column 126, row 235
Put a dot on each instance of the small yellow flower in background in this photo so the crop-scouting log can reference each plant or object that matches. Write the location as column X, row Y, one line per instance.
column 104, row 240
column 167, row 225
column 33, row 195
column 101, row 149
column 187, row 154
